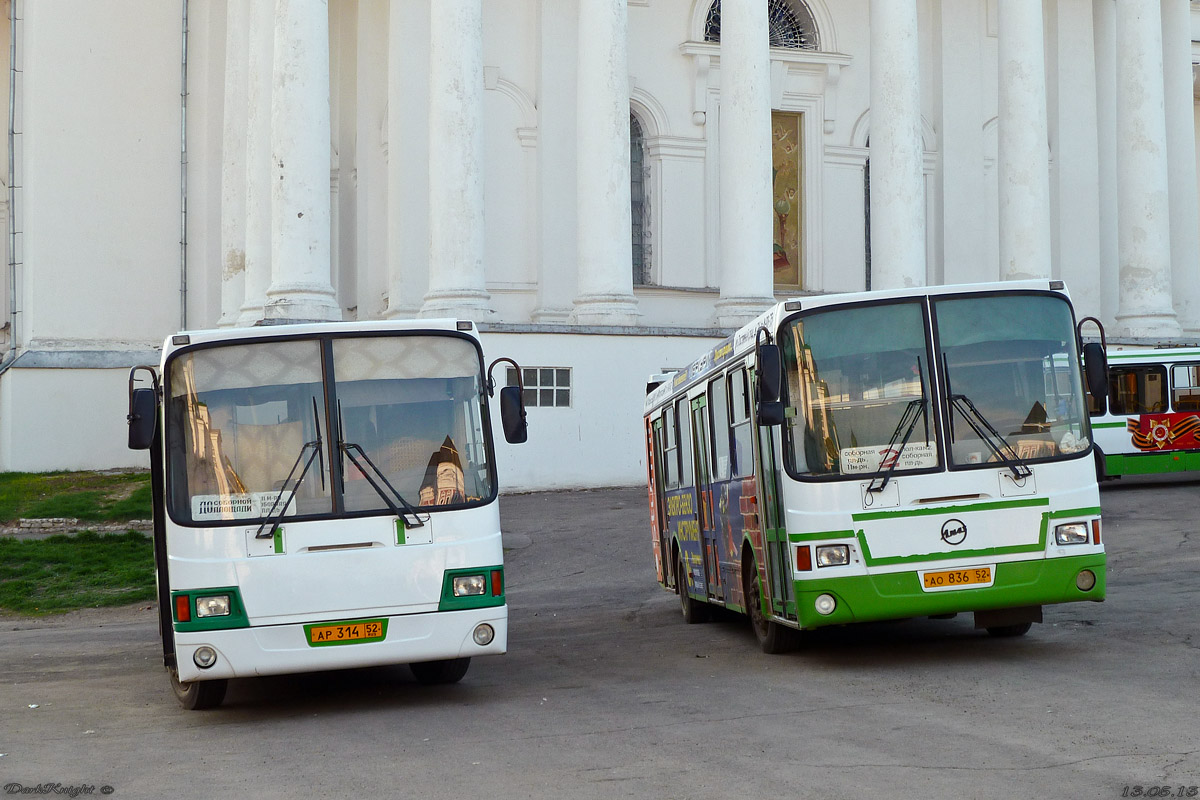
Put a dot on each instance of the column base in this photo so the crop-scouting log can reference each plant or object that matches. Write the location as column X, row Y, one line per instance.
column 473, row 304
column 1147, row 326
column 734, row 312
column 606, row 309
column 551, row 316
column 301, row 302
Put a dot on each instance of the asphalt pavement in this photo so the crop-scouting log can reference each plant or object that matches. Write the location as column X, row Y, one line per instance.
column 606, row 693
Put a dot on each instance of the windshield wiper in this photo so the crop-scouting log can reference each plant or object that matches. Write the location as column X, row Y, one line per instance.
column 908, row 423
column 1000, row 447
column 267, row 529
column 410, row 516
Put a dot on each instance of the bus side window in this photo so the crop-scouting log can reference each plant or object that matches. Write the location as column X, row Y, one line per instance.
column 671, row 448
column 1138, row 389
column 1185, row 387
column 718, row 403
column 743, row 437
column 685, row 442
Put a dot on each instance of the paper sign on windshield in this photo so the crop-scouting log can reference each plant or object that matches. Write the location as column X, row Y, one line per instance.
column 206, row 507
column 915, row 455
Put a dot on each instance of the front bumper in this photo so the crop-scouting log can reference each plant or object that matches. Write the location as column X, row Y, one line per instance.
column 283, row 649
column 897, row 595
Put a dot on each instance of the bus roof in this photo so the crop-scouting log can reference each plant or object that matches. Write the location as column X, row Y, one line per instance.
column 743, row 340
column 194, row 337
column 1156, row 355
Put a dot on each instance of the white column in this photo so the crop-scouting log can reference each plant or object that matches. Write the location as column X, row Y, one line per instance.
column 259, row 172
column 301, row 286
column 406, row 147
column 1024, row 164
column 605, row 261
column 457, row 281
column 1074, row 180
column 747, row 263
column 233, row 165
column 1143, row 210
column 897, row 187
column 1104, row 27
column 1181, row 156
column 557, row 61
column 962, row 177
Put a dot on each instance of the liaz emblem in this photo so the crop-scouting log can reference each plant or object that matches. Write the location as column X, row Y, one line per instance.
column 954, row 531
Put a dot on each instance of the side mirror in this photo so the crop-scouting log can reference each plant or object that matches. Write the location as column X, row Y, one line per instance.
column 770, row 413
column 143, row 418
column 512, row 415
column 1095, row 367
column 769, row 372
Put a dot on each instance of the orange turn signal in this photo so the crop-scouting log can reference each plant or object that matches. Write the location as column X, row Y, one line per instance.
column 183, row 608
column 804, row 558
column 1095, row 531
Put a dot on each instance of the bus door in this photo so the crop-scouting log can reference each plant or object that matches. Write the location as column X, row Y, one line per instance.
column 775, row 540
column 682, row 512
column 709, row 546
column 658, row 520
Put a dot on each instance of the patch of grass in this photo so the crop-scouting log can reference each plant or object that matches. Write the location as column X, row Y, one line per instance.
column 91, row 496
column 64, row 573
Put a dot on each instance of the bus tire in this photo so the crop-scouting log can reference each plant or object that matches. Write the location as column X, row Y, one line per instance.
column 1009, row 631
column 198, row 695
column 431, row 673
column 772, row 637
column 694, row 611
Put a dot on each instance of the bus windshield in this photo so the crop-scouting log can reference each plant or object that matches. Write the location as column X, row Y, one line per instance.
column 858, row 391
column 414, row 404
column 1012, row 377
column 246, row 425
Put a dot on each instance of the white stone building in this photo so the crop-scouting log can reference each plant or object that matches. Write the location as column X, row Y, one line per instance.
column 606, row 186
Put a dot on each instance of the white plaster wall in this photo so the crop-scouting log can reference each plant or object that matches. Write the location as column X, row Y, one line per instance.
column 53, row 419
column 101, row 203
column 599, row 441
column 101, row 200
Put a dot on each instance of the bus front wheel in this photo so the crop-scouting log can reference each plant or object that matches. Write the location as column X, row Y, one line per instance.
column 1007, row 631
column 772, row 637
column 198, row 695
column 451, row 670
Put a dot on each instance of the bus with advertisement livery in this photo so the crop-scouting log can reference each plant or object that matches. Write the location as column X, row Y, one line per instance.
column 878, row 456
column 325, row 497
column 1148, row 422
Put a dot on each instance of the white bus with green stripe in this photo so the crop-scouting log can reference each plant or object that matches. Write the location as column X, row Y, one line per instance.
column 1148, row 422
column 880, row 456
column 325, row 497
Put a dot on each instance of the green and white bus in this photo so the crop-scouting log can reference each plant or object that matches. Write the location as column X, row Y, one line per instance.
column 325, row 497
column 879, row 456
column 1149, row 422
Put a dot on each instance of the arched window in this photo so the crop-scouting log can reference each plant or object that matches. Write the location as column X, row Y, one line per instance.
column 639, row 208
column 791, row 25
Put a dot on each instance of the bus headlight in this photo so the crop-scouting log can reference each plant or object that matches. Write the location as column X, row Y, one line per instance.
column 1085, row 580
column 833, row 555
column 213, row 606
column 204, row 657
column 825, row 604
column 469, row 585
column 483, row 634
column 1071, row 533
